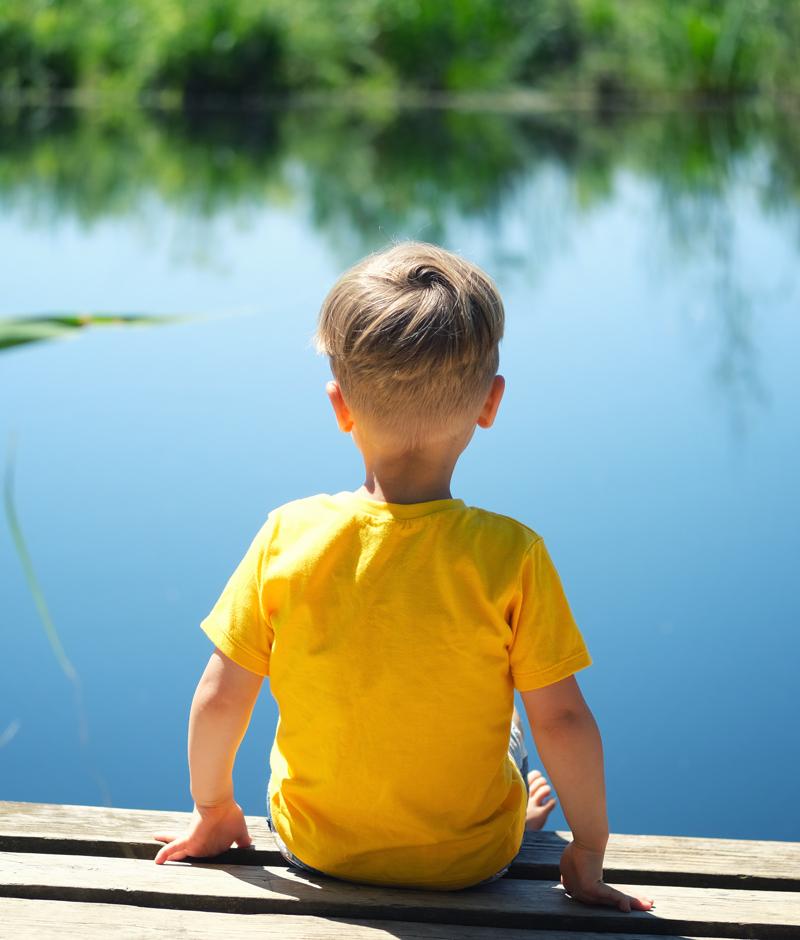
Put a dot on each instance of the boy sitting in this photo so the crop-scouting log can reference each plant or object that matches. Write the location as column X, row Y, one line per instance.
column 395, row 623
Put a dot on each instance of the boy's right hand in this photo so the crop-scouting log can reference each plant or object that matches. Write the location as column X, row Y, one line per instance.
column 582, row 877
column 211, row 831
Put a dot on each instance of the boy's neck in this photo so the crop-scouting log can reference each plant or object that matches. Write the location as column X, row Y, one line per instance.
column 394, row 474
column 407, row 480
column 384, row 494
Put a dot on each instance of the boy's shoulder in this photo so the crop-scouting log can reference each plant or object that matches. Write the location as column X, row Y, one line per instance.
column 305, row 506
column 300, row 503
column 302, row 509
column 503, row 529
column 509, row 523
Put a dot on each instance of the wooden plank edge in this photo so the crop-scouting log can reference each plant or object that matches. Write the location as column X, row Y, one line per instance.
column 528, row 871
column 775, row 862
column 612, row 921
column 36, row 918
column 612, row 874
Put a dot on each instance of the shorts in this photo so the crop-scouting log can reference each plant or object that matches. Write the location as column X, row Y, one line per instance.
column 516, row 751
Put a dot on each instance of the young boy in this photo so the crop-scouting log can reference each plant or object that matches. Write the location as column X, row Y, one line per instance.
column 395, row 623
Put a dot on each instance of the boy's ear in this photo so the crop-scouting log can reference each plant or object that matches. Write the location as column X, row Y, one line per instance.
column 492, row 403
column 343, row 416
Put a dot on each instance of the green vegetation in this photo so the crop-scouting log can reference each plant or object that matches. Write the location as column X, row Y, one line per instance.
column 610, row 49
column 18, row 331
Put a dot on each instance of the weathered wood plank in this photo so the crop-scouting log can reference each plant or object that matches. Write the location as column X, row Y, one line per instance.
column 505, row 903
column 675, row 860
column 25, row 919
column 57, row 828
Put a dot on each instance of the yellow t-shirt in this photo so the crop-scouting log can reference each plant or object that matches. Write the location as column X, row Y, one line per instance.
column 394, row 636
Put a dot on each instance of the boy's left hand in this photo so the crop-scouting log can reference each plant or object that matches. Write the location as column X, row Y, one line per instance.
column 211, row 830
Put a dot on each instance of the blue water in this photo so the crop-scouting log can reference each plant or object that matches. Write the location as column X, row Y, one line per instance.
column 649, row 432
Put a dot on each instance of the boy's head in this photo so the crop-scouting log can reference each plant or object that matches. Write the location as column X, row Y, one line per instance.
column 412, row 336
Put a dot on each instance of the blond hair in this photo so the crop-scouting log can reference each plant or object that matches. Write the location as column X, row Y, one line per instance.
column 412, row 335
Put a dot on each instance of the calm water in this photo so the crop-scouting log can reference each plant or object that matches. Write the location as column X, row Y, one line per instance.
column 649, row 429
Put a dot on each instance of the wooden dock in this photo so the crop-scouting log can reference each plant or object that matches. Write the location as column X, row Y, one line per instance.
column 68, row 871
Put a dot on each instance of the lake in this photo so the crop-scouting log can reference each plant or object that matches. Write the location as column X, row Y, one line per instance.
column 649, row 430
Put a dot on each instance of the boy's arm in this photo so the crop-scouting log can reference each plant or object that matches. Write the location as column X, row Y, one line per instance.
column 569, row 744
column 221, row 708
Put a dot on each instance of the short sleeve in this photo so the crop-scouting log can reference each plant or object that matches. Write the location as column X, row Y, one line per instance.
column 546, row 643
column 238, row 623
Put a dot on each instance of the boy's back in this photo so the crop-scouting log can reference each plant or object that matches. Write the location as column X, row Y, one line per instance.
column 387, row 631
column 395, row 622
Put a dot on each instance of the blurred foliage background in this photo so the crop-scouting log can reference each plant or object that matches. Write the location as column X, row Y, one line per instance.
column 608, row 48
column 684, row 92
column 405, row 168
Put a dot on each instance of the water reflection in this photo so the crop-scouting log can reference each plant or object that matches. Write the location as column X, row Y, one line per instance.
column 366, row 177
column 368, row 172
